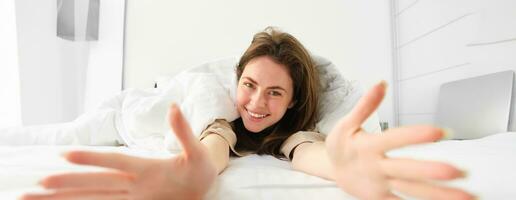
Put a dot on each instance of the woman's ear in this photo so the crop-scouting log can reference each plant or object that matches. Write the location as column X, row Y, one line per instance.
column 292, row 103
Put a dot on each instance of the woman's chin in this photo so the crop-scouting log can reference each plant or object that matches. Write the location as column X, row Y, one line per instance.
column 253, row 129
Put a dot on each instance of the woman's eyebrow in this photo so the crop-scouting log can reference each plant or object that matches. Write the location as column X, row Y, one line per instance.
column 271, row 87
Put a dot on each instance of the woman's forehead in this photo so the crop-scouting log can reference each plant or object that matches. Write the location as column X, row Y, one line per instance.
column 264, row 70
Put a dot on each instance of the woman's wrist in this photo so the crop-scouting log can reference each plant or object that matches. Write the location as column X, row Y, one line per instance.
column 218, row 151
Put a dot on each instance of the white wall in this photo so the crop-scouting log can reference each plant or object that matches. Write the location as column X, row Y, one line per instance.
column 164, row 37
column 440, row 41
column 10, row 113
column 59, row 78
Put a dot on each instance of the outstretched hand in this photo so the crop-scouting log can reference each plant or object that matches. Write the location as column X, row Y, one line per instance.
column 186, row 176
column 363, row 170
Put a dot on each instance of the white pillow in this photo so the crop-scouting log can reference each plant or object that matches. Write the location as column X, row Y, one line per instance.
column 337, row 94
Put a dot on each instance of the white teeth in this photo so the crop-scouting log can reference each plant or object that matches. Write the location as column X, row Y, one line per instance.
column 256, row 115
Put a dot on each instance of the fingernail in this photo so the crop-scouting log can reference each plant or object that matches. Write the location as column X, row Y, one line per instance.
column 63, row 154
column 447, row 134
column 463, row 174
column 41, row 182
column 384, row 83
column 473, row 196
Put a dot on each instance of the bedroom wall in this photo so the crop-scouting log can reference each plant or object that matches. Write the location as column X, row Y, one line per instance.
column 10, row 114
column 440, row 41
column 164, row 37
column 60, row 79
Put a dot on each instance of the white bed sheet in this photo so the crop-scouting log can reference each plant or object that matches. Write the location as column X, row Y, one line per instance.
column 490, row 163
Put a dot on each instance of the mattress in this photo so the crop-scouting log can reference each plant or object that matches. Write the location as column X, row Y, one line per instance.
column 490, row 163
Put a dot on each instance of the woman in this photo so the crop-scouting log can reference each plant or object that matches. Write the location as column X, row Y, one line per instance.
column 277, row 101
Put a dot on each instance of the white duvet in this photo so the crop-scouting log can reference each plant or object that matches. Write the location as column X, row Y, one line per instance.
column 490, row 163
column 137, row 118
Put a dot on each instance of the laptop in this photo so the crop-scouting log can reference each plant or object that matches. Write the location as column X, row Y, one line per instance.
column 476, row 107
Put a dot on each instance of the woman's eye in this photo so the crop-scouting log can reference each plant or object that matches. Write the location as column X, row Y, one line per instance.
column 249, row 85
column 274, row 93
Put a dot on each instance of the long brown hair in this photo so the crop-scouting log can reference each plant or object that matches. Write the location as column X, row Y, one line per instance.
column 286, row 50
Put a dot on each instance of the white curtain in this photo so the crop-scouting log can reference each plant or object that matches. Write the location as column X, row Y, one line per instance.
column 10, row 110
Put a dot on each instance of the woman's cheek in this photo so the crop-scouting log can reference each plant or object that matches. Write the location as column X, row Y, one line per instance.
column 277, row 107
column 242, row 97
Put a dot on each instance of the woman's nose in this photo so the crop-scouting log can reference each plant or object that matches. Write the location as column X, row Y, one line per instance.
column 258, row 100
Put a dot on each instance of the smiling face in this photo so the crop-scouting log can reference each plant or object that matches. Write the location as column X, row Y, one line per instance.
column 264, row 93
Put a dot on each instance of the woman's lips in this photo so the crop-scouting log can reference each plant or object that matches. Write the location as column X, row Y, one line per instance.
column 256, row 116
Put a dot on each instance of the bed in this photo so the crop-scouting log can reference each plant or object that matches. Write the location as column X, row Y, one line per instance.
column 489, row 161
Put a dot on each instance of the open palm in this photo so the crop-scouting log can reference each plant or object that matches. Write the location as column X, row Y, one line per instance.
column 363, row 170
column 186, row 176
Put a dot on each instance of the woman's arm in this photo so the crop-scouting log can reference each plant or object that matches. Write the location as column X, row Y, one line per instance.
column 188, row 175
column 218, row 150
column 357, row 161
column 312, row 158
